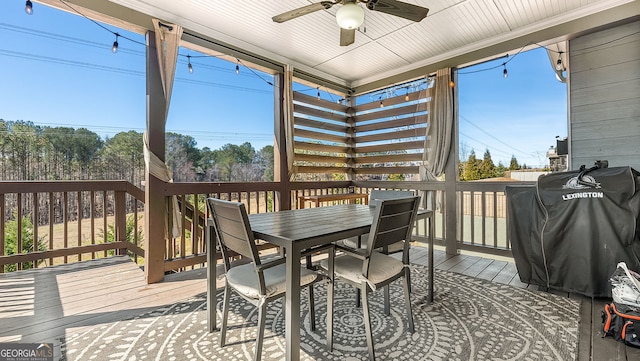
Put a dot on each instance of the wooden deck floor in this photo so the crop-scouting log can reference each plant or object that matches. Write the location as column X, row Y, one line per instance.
column 45, row 304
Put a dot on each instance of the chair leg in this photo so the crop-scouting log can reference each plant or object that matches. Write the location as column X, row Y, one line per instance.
column 358, row 296
column 367, row 321
column 387, row 302
column 225, row 313
column 407, row 299
column 262, row 316
column 312, row 308
column 330, row 301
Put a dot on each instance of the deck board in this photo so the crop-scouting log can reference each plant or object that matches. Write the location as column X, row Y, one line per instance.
column 118, row 290
column 478, row 267
column 492, row 270
column 48, row 303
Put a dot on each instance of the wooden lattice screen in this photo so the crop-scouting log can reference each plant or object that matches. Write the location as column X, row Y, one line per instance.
column 367, row 139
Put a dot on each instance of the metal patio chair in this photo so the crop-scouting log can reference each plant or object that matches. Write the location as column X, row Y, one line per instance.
column 368, row 269
column 259, row 281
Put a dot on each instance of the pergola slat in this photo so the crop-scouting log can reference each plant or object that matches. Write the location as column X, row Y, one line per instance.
column 303, row 133
column 319, row 147
column 387, row 170
column 310, row 123
column 319, row 113
column 395, row 100
column 324, row 170
column 396, row 123
column 407, row 157
column 388, row 112
column 408, row 133
column 319, row 158
column 416, row 144
column 311, row 100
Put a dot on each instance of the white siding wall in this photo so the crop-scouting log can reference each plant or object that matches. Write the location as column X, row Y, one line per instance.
column 604, row 97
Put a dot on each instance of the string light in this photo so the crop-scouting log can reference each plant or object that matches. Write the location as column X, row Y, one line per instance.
column 318, row 96
column 114, row 48
column 28, row 7
column 189, row 64
column 406, row 97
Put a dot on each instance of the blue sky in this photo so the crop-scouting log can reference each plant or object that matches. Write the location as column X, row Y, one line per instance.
column 58, row 70
column 522, row 113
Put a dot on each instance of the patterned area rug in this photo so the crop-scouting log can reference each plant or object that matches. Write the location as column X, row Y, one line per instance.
column 470, row 319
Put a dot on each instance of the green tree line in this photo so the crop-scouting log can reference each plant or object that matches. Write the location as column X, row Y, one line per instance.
column 475, row 169
column 31, row 152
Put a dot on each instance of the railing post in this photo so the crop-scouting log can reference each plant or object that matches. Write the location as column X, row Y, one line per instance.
column 451, row 178
column 281, row 168
column 121, row 220
column 155, row 211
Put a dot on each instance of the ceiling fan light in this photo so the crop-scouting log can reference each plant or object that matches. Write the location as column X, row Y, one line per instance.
column 350, row 16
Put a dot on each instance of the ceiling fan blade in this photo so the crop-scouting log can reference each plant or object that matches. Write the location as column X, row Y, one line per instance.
column 303, row 11
column 347, row 36
column 393, row 7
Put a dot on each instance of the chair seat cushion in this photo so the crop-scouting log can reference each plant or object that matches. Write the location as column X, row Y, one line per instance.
column 382, row 268
column 353, row 243
column 244, row 279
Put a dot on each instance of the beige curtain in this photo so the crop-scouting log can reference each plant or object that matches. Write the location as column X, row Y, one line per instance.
column 168, row 41
column 168, row 37
column 287, row 108
column 438, row 140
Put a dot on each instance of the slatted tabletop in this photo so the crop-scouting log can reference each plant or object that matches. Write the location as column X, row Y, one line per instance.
column 312, row 226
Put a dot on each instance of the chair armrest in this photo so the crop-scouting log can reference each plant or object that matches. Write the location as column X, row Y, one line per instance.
column 357, row 253
column 270, row 264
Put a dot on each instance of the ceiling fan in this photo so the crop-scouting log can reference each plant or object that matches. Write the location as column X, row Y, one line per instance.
column 350, row 16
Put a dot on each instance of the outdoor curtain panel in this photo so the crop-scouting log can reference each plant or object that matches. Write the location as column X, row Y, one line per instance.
column 287, row 107
column 167, row 40
column 438, row 140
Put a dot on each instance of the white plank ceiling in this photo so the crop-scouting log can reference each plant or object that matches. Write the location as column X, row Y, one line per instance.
column 390, row 45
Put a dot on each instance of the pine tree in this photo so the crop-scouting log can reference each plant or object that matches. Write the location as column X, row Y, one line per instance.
column 513, row 165
column 487, row 168
column 472, row 167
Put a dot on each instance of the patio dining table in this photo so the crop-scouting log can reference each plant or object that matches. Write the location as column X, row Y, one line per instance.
column 296, row 231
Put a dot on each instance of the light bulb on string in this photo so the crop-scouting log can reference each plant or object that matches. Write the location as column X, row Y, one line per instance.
column 28, row 7
column 189, row 64
column 318, row 96
column 381, row 104
column 505, row 73
column 114, row 48
column 237, row 68
column 406, row 97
